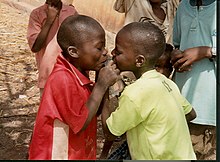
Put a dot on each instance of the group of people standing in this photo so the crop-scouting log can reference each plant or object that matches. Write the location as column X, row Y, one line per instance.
column 165, row 116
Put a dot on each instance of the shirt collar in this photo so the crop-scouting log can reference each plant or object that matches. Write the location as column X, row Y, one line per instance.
column 83, row 80
column 150, row 74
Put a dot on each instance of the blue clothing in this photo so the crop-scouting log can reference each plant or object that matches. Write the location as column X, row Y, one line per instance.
column 192, row 28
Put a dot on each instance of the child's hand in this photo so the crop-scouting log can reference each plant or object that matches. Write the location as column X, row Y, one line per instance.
column 108, row 75
column 52, row 13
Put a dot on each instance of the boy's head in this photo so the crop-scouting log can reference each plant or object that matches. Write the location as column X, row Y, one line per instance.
column 138, row 47
column 163, row 64
column 82, row 40
column 55, row 3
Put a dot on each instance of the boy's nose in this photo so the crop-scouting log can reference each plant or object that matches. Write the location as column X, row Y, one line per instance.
column 113, row 52
column 105, row 52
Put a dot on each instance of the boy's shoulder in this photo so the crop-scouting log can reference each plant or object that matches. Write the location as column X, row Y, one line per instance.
column 39, row 9
column 70, row 6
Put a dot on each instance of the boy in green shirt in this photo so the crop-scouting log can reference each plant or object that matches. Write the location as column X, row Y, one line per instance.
column 151, row 111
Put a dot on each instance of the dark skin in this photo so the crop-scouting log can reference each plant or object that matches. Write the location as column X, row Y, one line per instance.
column 129, row 60
column 91, row 55
column 158, row 11
column 183, row 60
column 163, row 64
column 53, row 9
column 165, row 67
column 107, row 77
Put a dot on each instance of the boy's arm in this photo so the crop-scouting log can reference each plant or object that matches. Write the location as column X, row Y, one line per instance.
column 191, row 115
column 52, row 13
column 119, row 6
column 106, row 112
column 105, row 150
column 107, row 77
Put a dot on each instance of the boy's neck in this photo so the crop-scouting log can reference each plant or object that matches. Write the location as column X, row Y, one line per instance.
column 141, row 71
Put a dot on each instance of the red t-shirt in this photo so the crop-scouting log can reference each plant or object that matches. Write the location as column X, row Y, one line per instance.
column 61, row 115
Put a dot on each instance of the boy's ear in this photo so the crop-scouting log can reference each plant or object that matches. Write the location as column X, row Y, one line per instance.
column 73, row 52
column 140, row 60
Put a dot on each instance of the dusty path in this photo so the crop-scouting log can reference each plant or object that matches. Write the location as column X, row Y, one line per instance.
column 19, row 96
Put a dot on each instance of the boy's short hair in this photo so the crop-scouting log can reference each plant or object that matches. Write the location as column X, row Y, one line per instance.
column 147, row 39
column 76, row 29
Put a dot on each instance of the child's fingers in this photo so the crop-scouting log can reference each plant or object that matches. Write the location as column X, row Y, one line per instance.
column 117, row 71
column 119, row 77
column 110, row 63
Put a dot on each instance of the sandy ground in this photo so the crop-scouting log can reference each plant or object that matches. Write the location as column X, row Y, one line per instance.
column 19, row 96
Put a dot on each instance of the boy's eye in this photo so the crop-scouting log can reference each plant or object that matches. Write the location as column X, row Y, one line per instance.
column 117, row 52
column 101, row 48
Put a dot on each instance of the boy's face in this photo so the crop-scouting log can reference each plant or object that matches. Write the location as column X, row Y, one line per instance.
column 54, row 3
column 92, row 52
column 164, row 66
column 123, row 54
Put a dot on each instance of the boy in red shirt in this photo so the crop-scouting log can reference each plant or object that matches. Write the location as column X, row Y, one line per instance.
column 66, row 122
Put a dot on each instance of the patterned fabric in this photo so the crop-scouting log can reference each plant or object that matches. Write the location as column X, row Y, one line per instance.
column 121, row 153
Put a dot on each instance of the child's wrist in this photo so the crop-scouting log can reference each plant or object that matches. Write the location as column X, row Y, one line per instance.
column 102, row 87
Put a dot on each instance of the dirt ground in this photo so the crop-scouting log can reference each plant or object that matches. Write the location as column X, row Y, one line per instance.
column 19, row 96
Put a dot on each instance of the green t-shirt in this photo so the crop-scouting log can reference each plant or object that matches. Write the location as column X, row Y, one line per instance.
column 152, row 113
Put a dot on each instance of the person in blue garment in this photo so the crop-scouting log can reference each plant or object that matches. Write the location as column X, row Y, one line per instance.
column 194, row 34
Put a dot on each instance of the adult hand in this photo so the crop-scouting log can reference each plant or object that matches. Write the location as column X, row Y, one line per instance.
column 183, row 61
column 177, row 60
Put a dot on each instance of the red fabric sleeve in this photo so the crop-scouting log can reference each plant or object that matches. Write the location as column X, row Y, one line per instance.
column 70, row 98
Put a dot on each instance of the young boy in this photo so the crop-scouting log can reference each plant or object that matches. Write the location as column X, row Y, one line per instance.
column 66, row 122
column 163, row 64
column 151, row 110
column 164, row 67
column 43, row 24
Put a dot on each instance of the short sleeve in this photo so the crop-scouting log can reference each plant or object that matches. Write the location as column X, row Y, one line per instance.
column 34, row 28
column 70, row 100
column 124, row 118
column 187, row 107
